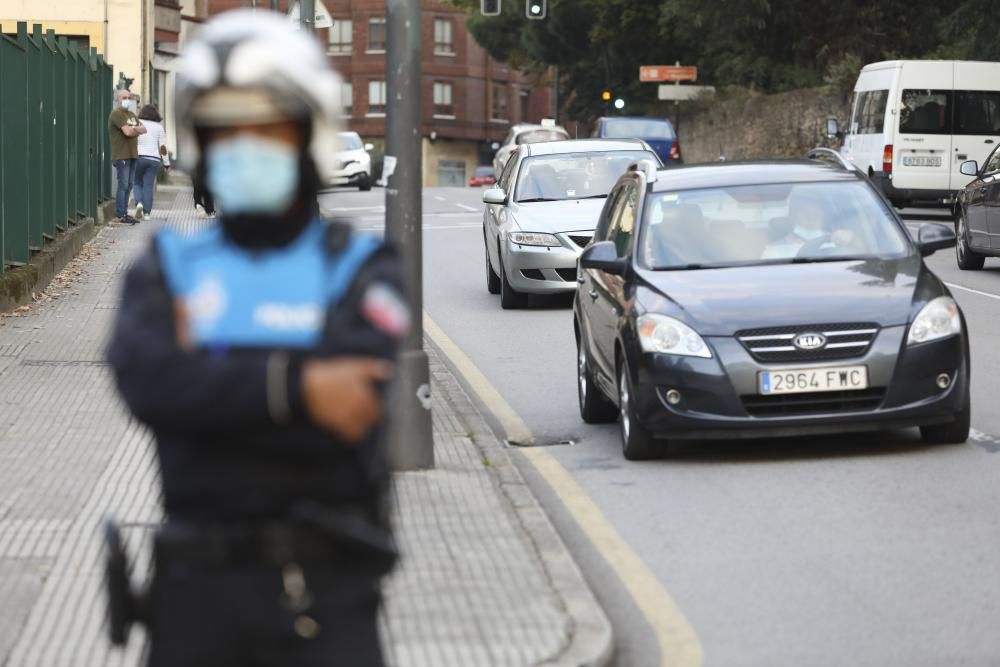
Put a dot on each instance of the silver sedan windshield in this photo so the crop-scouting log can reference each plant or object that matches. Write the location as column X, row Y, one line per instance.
column 766, row 224
column 573, row 175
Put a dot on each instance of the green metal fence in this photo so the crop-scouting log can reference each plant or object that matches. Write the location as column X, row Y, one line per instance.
column 55, row 154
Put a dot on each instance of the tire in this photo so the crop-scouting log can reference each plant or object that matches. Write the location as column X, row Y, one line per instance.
column 492, row 279
column 595, row 408
column 951, row 433
column 968, row 259
column 365, row 184
column 510, row 298
column 637, row 442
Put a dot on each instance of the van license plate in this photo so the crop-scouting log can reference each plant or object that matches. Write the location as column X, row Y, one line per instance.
column 808, row 380
column 922, row 161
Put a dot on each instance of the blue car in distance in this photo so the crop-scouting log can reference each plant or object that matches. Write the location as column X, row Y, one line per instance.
column 657, row 132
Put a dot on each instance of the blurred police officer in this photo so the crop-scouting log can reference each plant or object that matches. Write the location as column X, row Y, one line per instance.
column 257, row 351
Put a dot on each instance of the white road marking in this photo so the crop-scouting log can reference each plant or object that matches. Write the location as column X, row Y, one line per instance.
column 467, row 208
column 974, row 291
column 439, row 198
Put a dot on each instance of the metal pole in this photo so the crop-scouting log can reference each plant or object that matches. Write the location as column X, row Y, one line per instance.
column 308, row 15
column 411, row 444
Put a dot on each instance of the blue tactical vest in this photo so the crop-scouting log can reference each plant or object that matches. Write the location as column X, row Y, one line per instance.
column 278, row 298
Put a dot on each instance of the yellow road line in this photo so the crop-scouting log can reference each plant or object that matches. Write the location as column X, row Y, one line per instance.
column 678, row 643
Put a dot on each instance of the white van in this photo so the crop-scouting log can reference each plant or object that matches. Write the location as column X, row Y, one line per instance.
column 914, row 122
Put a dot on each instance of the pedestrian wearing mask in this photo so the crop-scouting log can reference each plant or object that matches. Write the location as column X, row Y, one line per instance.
column 124, row 129
column 152, row 157
column 258, row 352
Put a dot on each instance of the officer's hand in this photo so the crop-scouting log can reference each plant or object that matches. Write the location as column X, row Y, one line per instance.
column 341, row 397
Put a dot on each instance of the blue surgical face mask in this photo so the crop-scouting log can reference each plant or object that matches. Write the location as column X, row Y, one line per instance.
column 808, row 234
column 250, row 174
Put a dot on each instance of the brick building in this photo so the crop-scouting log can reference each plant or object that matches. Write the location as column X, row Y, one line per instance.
column 469, row 100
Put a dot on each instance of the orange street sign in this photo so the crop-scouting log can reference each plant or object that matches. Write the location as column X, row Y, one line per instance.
column 660, row 73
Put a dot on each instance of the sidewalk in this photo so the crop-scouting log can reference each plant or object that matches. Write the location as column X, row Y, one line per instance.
column 484, row 579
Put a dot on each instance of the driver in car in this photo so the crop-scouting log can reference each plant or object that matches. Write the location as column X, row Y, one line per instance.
column 811, row 229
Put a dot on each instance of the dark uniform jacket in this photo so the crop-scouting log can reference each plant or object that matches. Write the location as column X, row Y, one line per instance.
column 233, row 436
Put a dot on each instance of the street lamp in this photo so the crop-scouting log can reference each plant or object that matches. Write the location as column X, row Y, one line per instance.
column 534, row 9
column 619, row 104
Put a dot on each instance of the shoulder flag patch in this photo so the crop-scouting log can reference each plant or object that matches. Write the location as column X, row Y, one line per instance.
column 385, row 310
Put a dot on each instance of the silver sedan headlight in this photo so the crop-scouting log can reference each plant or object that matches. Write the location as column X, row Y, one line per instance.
column 535, row 238
column 659, row 333
column 938, row 319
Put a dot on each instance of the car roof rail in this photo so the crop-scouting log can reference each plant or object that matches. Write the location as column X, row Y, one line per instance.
column 648, row 168
column 830, row 155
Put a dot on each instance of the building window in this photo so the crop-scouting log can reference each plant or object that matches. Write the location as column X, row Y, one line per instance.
column 376, row 97
column 443, row 45
column 442, row 100
column 525, row 98
column 340, row 37
column 347, row 98
column 499, row 110
column 376, row 34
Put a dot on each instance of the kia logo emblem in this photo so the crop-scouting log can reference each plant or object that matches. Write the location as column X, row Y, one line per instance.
column 809, row 341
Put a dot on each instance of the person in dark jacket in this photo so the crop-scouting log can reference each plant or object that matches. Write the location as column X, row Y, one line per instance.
column 258, row 351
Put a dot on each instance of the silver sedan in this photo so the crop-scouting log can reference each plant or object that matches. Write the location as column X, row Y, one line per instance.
column 544, row 210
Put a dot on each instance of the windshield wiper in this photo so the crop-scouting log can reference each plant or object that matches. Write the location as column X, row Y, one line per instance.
column 818, row 260
column 536, row 199
column 594, row 197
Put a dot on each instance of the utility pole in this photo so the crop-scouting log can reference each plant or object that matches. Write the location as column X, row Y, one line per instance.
column 411, row 443
column 308, row 15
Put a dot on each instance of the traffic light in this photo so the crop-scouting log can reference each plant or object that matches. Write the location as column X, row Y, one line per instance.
column 534, row 9
column 619, row 104
column 606, row 95
column 489, row 7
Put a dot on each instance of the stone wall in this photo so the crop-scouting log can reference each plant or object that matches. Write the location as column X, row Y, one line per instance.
column 751, row 126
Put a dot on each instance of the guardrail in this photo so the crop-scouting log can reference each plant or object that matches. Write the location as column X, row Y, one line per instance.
column 55, row 154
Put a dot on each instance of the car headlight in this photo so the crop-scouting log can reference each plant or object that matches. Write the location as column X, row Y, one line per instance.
column 938, row 319
column 534, row 238
column 659, row 333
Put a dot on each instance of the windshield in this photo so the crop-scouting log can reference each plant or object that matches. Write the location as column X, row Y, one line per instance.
column 767, row 224
column 638, row 128
column 538, row 136
column 573, row 175
column 348, row 141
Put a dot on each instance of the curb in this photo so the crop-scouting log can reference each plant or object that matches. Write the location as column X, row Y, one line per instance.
column 592, row 641
column 18, row 286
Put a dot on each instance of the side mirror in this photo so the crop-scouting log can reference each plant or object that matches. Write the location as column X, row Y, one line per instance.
column 495, row 196
column 969, row 168
column 603, row 256
column 833, row 129
column 369, row 147
column 933, row 237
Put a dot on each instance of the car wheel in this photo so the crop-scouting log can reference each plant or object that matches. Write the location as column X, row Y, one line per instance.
column 637, row 442
column 492, row 279
column 365, row 184
column 968, row 259
column 595, row 408
column 509, row 297
column 951, row 433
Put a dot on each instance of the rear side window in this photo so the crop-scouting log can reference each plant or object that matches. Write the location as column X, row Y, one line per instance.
column 993, row 164
column 925, row 112
column 871, row 111
column 977, row 112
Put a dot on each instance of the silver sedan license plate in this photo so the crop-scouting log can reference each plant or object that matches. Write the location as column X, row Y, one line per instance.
column 807, row 380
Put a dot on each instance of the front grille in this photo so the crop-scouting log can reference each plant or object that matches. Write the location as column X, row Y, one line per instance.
column 843, row 341
column 569, row 275
column 580, row 239
column 815, row 403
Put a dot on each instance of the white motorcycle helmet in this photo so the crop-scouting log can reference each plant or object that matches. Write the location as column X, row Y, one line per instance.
column 248, row 66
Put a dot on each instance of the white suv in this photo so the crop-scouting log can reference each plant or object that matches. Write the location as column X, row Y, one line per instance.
column 354, row 164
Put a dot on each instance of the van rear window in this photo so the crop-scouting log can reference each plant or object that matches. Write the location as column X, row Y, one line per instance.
column 925, row 112
column 950, row 112
column 977, row 112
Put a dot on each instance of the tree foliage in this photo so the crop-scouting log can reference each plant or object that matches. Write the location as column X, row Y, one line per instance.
column 763, row 45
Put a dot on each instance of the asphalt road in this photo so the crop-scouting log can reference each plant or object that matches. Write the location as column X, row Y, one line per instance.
column 855, row 550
